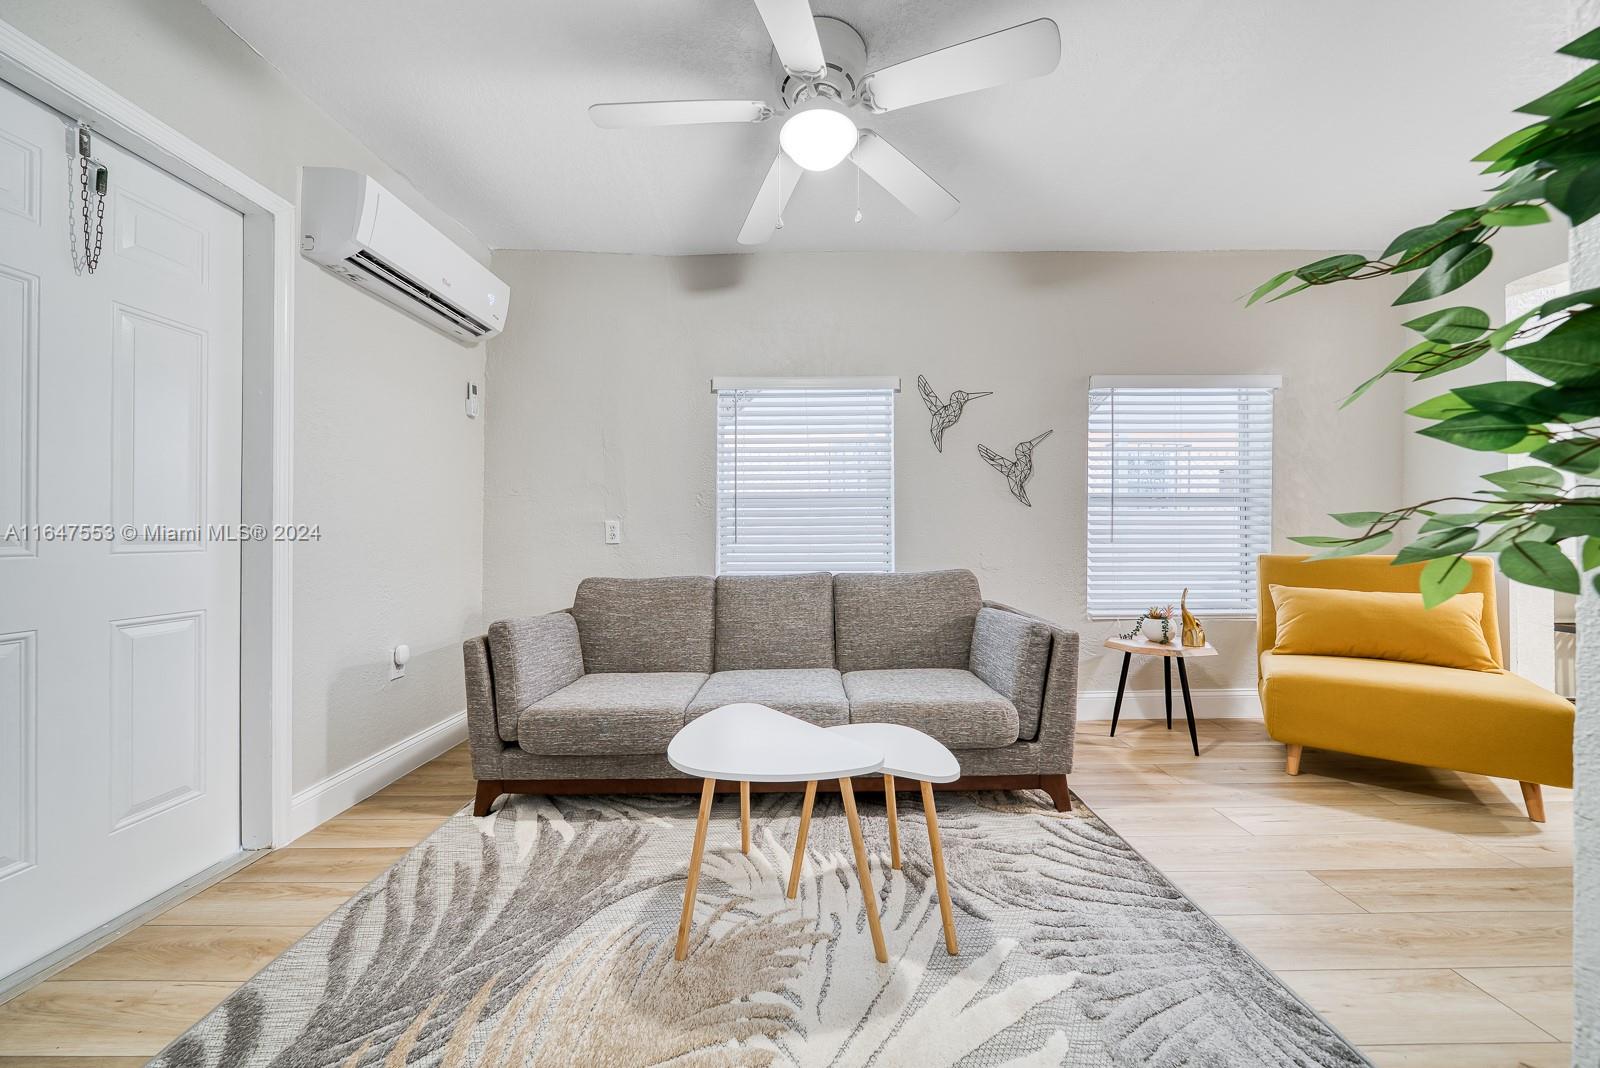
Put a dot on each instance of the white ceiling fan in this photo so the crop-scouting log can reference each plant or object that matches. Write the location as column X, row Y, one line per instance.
column 823, row 86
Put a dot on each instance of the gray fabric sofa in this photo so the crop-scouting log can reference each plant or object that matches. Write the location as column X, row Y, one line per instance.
column 586, row 700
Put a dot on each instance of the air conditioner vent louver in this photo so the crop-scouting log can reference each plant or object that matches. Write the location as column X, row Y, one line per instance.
column 421, row 294
column 366, row 235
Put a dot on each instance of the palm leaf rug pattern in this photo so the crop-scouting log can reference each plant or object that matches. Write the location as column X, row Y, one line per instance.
column 541, row 936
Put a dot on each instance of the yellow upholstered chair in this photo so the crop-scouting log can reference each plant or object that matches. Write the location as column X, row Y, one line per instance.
column 1485, row 722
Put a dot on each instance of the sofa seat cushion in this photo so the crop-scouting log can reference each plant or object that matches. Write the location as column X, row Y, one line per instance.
column 904, row 620
column 774, row 621
column 1487, row 722
column 951, row 705
column 815, row 695
column 611, row 713
column 646, row 624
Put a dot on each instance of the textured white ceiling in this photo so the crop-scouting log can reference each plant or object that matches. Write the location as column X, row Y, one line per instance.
column 1171, row 124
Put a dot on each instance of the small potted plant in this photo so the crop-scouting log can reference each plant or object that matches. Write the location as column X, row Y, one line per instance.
column 1155, row 625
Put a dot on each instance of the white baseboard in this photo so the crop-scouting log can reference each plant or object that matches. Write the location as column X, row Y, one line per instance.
column 324, row 800
column 1239, row 703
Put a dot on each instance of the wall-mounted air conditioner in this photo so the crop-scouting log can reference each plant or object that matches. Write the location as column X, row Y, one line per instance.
column 362, row 232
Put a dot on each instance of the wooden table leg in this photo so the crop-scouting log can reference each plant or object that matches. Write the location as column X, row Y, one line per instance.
column 869, row 896
column 800, row 839
column 932, row 817
column 744, row 818
column 1122, row 684
column 695, row 856
column 1533, row 798
column 894, row 822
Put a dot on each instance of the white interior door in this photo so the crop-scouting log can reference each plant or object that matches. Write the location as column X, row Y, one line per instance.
column 119, row 656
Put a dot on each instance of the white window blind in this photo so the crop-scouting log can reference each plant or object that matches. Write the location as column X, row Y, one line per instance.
column 1180, row 493
column 805, row 479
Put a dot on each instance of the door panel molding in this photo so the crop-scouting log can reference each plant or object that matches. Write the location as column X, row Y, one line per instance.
column 19, row 411
column 19, row 733
column 270, row 241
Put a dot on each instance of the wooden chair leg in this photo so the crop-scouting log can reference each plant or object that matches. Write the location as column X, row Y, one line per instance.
column 1291, row 762
column 744, row 818
column 1533, row 798
column 869, row 896
column 695, row 856
column 800, row 839
column 1056, row 787
column 488, row 791
column 938, row 868
column 894, row 822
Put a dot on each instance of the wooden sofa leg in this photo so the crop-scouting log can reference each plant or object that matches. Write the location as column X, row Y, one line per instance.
column 1056, row 787
column 488, row 791
column 1533, row 798
column 1291, row 762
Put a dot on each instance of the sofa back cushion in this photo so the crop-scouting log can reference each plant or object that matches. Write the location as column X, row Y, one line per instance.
column 768, row 622
column 646, row 624
column 530, row 659
column 1381, row 625
column 907, row 620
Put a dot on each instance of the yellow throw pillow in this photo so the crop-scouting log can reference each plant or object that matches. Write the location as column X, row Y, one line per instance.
column 1382, row 626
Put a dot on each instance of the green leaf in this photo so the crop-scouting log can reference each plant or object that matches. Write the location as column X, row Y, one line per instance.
column 1516, row 215
column 1504, row 335
column 1591, row 554
column 1268, row 286
column 1449, row 272
column 1575, row 192
column 1579, row 455
column 1538, row 563
column 1484, row 431
column 1530, row 479
column 1444, row 406
column 1568, row 355
column 1571, row 520
column 1524, row 183
column 1509, row 142
column 1577, row 90
column 1452, row 542
column 1452, row 520
column 1566, row 301
column 1443, row 578
column 1355, row 547
column 1451, row 325
column 1359, row 520
column 1425, row 257
column 1421, row 237
column 1331, row 268
column 1523, row 402
column 1585, row 47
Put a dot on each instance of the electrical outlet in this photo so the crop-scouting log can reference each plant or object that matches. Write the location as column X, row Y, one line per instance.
column 613, row 532
column 398, row 658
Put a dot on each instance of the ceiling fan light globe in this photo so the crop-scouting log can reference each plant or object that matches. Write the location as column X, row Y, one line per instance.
column 818, row 139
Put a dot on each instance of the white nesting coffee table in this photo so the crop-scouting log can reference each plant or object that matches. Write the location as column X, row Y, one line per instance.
column 753, row 743
column 909, row 754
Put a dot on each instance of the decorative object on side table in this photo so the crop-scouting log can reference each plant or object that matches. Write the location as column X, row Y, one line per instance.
column 1168, row 652
column 1194, row 635
column 945, row 413
column 1019, row 470
column 1154, row 626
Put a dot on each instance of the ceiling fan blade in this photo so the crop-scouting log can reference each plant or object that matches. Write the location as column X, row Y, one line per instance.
column 1024, row 51
column 902, row 179
column 782, row 177
column 677, row 113
column 793, row 30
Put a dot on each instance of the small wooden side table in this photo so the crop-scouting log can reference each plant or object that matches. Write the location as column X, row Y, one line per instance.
column 1131, row 647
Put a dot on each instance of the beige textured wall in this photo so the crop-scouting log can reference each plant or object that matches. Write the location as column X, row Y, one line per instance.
column 385, row 459
column 598, row 404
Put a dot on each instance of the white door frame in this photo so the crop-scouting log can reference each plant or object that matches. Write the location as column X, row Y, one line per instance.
column 265, row 566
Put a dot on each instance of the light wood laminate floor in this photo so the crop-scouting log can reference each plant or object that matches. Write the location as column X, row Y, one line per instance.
column 1418, row 910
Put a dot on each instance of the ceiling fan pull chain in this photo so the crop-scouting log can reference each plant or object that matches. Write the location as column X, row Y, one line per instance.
column 780, row 191
column 858, row 190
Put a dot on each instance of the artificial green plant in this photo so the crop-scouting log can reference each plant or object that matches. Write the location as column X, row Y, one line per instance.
column 1526, row 513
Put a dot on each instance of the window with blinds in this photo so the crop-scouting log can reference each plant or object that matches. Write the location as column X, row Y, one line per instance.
column 1180, row 492
column 805, row 477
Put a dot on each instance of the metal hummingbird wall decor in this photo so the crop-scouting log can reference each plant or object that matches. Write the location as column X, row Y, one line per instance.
column 1019, row 470
column 946, row 413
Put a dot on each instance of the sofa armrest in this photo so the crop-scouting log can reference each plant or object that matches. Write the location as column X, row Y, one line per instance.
column 483, row 734
column 1011, row 653
column 530, row 659
column 1057, row 721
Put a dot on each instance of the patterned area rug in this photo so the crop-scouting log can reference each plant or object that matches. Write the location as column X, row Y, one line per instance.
column 542, row 935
